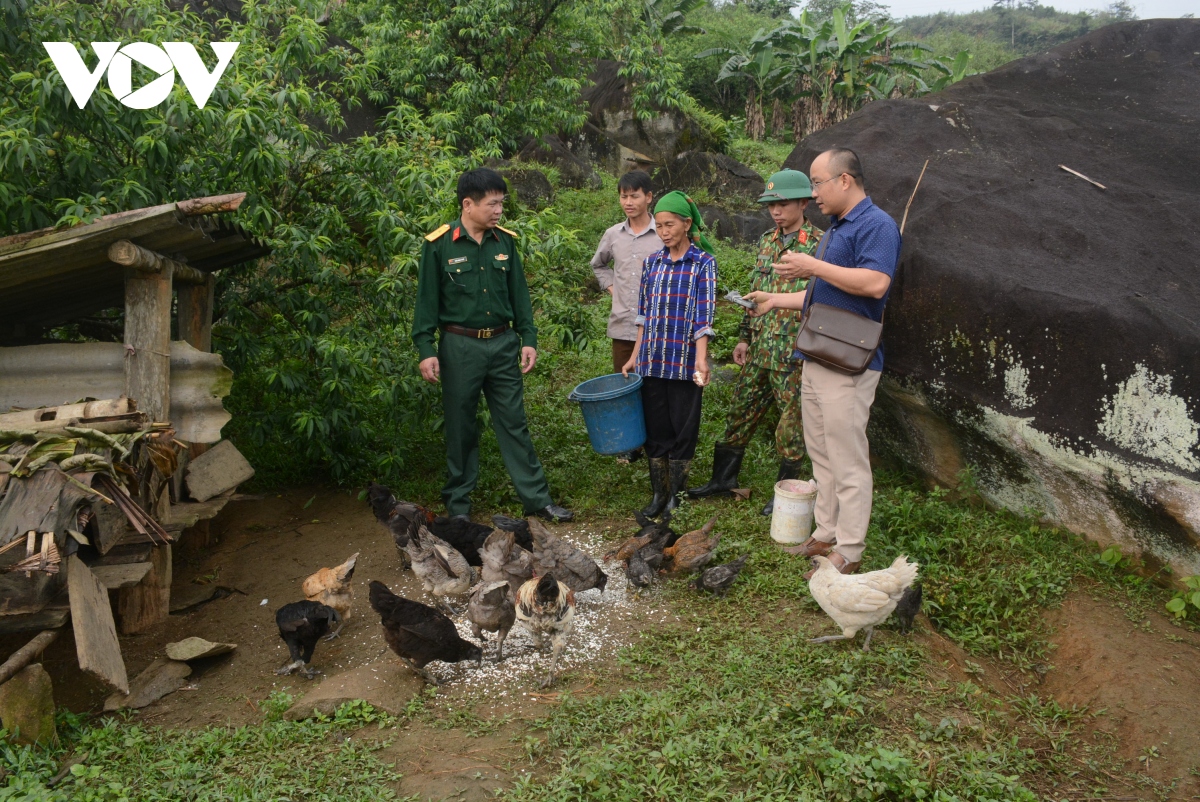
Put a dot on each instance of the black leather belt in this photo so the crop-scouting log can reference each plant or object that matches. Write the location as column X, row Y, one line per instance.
column 478, row 334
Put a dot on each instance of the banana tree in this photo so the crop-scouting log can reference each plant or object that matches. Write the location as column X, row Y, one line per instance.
column 761, row 67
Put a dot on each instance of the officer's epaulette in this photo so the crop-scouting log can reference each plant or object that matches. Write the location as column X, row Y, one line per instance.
column 433, row 235
column 508, row 231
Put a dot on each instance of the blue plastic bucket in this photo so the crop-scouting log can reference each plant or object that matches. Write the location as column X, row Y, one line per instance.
column 612, row 410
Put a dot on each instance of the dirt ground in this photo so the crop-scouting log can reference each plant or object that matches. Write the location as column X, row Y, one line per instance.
column 1143, row 674
column 263, row 549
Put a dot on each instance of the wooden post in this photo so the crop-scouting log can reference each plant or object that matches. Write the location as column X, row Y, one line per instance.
column 148, row 602
column 148, row 341
column 195, row 313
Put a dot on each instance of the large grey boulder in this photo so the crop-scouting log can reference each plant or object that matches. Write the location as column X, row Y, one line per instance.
column 1043, row 332
column 574, row 172
column 724, row 177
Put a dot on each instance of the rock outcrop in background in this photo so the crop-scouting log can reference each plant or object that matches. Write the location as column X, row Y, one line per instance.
column 1042, row 332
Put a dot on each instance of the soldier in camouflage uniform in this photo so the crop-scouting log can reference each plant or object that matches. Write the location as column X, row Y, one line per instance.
column 766, row 344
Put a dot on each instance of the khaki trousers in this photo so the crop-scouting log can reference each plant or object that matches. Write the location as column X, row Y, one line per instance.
column 836, row 408
column 621, row 351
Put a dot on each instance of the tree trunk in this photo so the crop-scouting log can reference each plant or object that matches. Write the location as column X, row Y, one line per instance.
column 755, row 124
column 778, row 120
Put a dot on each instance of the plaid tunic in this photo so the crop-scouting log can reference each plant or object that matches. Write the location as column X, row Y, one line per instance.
column 675, row 304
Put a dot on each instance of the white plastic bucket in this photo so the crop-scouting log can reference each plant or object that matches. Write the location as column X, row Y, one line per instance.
column 792, row 519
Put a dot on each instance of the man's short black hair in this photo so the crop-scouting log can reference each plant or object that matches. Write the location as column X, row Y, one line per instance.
column 844, row 160
column 634, row 180
column 476, row 184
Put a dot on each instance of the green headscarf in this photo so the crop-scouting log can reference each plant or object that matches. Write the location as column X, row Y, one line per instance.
column 684, row 206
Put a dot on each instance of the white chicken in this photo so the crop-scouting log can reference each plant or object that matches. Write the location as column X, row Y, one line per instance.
column 859, row 601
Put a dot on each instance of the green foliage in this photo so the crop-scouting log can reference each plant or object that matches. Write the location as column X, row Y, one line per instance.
column 1025, row 28
column 1186, row 602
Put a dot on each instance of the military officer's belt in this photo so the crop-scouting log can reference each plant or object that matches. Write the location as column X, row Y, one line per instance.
column 478, row 334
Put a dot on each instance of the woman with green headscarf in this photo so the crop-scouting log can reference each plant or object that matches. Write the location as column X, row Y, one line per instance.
column 676, row 305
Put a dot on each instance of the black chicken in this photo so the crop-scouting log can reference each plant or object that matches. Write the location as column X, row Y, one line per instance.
column 908, row 607
column 301, row 624
column 419, row 634
column 638, row 572
column 403, row 517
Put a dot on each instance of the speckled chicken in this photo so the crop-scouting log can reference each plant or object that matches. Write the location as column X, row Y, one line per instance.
column 443, row 571
column 419, row 634
column 332, row 587
column 638, row 571
column 720, row 578
column 504, row 560
column 301, row 625
column 491, row 608
column 547, row 608
column 860, row 601
column 573, row 567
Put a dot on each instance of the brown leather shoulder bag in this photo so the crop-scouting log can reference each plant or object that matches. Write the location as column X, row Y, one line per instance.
column 838, row 339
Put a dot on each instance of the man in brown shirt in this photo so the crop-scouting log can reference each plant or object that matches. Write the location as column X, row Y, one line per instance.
column 618, row 261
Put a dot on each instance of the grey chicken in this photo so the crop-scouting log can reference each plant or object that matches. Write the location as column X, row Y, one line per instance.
column 491, row 608
column 717, row 580
column 547, row 608
column 573, row 567
column 443, row 571
column 908, row 607
column 419, row 634
column 301, row 625
column 638, row 571
column 504, row 560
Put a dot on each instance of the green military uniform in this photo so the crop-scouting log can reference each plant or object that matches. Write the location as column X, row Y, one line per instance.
column 479, row 286
column 771, row 372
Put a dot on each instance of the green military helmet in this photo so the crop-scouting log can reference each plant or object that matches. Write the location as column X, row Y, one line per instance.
column 786, row 185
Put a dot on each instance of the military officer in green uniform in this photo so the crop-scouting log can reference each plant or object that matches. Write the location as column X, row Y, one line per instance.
column 471, row 288
column 766, row 344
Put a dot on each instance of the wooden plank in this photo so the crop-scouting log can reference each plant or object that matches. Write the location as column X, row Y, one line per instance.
column 219, row 469
column 111, row 526
column 96, row 643
column 142, row 606
column 124, row 575
column 194, row 312
column 148, row 341
column 52, row 616
column 121, row 555
column 130, row 254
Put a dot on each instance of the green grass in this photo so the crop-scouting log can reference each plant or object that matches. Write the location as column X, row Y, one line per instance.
column 763, row 157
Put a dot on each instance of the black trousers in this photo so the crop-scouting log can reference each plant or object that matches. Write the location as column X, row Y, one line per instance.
column 672, row 410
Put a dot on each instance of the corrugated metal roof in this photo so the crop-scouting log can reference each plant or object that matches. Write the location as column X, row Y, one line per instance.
column 48, row 375
column 51, row 276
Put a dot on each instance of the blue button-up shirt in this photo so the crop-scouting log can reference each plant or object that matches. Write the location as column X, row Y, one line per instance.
column 864, row 237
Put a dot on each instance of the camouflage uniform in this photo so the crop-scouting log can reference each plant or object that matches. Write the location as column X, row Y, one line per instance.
column 770, row 371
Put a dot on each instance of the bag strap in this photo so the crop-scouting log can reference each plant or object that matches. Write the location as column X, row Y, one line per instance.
column 812, row 285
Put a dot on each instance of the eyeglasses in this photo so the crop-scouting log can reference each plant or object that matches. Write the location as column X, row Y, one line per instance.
column 827, row 180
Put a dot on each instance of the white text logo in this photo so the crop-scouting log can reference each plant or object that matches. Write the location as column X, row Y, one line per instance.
column 118, row 61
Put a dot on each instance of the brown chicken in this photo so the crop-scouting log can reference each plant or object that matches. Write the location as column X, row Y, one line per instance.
column 331, row 587
column 692, row 551
column 572, row 567
column 504, row 560
column 695, row 537
column 629, row 547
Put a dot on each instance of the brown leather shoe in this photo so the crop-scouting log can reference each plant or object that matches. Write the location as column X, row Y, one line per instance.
column 810, row 548
column 839, row 562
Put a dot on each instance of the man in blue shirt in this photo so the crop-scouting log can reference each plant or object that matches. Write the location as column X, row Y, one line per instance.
column 852, row 270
